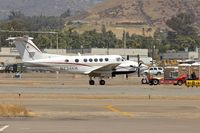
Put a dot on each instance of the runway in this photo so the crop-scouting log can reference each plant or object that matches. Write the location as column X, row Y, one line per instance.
column 106, row 115
column 151, row 125
column 114, row 108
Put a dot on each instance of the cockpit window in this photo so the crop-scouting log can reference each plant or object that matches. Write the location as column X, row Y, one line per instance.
column 118, row 59
column 123, row 59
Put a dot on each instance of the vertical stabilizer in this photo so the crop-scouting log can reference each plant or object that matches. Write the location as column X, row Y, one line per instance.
column 27, row 49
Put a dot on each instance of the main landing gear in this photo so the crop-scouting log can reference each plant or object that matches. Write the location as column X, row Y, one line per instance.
column 101, row 82
column 91, row 82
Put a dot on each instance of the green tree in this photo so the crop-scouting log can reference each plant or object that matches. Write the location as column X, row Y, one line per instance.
column 183, row 24
column 15, row 15
column 66, row 14
column 43, row 41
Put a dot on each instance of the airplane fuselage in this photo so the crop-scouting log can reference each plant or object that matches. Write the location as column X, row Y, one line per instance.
column 84, row 64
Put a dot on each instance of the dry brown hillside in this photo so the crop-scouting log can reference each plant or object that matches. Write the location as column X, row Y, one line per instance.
column 151, row 12
column 136, row 16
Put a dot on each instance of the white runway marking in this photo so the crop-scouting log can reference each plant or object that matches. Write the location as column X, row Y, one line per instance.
column 3, row 128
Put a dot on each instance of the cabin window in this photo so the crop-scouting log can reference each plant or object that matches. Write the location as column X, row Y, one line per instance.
column 66, row 60
column 76, row 60
column 101, row 60
column 95, row 59
column 90, row 59
column 106, row 59
column 85, row 60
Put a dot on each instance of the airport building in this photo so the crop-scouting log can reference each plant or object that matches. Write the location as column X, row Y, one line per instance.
column 9, row 56
column 182, row 55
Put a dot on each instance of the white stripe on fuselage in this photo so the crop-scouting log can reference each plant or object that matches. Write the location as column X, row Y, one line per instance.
column 68, row 63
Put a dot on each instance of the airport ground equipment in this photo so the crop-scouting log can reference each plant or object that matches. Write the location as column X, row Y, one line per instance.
column 192, row 80
column 192, row 83
column 160, row 80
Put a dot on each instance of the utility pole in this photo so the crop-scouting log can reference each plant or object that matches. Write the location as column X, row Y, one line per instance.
column 124, row 39
column 57, row 40
column 108, row 45
column 0, row 43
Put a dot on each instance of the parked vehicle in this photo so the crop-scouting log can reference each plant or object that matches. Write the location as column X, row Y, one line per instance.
column 13, row 68
column 154, row 71
column 2, row 68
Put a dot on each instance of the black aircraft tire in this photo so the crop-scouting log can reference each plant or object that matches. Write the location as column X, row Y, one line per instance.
column 102, row 82
column 91, row 82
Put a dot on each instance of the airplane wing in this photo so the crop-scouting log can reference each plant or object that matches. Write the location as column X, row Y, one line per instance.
column 102, row 69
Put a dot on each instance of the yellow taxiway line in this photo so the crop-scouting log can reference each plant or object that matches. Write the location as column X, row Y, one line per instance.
column 113, row 109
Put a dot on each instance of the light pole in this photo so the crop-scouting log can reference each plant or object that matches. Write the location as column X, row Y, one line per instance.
column 81, row 49
column 153, row 50
column 124, row 39
column 56, row 40
column 108, row 45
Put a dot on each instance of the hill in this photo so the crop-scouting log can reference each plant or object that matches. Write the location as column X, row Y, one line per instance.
column 137, row 15
column 44, row 7
column 150, row 12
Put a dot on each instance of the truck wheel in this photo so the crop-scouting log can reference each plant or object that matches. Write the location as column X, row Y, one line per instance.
column 155, row 82
column 159, row 73
column 144, row 81
column 146, row 73
column 179, row 82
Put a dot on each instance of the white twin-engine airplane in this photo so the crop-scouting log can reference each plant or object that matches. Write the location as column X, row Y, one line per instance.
column 101, row 66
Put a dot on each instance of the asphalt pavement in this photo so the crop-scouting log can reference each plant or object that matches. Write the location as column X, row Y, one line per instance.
column 121, row 106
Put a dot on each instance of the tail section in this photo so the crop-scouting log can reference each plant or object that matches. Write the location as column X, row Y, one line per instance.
column 27, row 49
